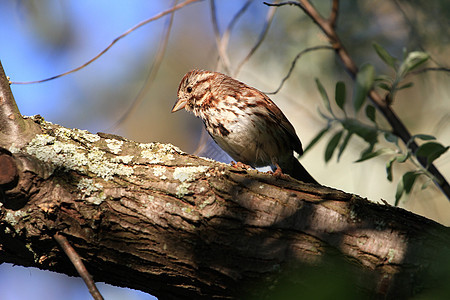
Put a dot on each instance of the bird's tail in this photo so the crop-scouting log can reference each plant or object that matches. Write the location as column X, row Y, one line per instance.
column 295, row 169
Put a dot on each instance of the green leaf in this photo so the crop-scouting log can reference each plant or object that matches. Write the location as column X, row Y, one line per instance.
column 405, row 185
column 370, row 113
column 399, row 192
column 405, row 86
column 344, row 144
column 382, row 77
column 384, row 55
column 412, row 61
column 389, row 165
column 323, row 93
column 408, row 180
column 426, row 184
column 384, row 86
column 316, row 139
column 431, row 150
column 391, row 138
column 323, row 115
column 370, row 155
column 424, row 137
column 368, row 133
column 364, row 82
column 339, row 94
column 332, row 144
column 402, row 158
column 368, row 150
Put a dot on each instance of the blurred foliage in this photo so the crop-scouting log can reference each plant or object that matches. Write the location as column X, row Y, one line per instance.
column 365, row 81
column 331, row 278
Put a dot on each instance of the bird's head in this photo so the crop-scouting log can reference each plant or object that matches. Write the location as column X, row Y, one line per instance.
column 194, row 90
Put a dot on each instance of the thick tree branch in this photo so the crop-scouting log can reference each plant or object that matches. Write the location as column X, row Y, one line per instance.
column 150, row 217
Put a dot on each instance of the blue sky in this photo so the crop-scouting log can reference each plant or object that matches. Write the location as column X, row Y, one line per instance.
column 45, row 38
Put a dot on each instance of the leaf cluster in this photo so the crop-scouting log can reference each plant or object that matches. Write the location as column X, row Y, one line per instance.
column 344, row 124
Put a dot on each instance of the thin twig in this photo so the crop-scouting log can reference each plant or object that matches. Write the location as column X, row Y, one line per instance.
column 284, row 3
column 151, row 74
column 293, row 65
column 79, row 266
column 156, row 17
column 262, row 35
column 334, row 13
column 222, row 52
column 414, row 32
column 226, row 35
column 441, row 69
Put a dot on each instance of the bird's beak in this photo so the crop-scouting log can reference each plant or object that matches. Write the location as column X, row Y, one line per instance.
column 180, row 104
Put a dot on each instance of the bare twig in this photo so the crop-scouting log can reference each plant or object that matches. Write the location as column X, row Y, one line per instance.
column 334, row 13
column 220, row 46
column 10, row 118
column 262, row 35
column 79, row 266
column 226, row 35
column 441, row 69
column 13, row 128
column 293, row 65
column 156, row 17
column 397, row 125
column 152, row 72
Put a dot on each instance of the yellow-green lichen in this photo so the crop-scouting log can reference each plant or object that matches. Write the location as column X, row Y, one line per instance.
column 158, row 153
column 188, row 173
column 186, row 209
column 29, row 247
column 185, row 175
column 13, row 217
column 114, row 145
column 69, row 156
column 87, row 188
column 14, row 149
column 391, row 255
column 182, row 189
column 76, row 134
column 126, row 159
column 159, row 171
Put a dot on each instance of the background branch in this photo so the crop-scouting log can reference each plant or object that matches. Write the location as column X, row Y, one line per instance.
column 154, row 68
column 137, row 26
column 294, row 61
column 262, row 35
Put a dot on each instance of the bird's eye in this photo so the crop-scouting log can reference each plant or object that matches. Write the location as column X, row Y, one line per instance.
column 189, row 89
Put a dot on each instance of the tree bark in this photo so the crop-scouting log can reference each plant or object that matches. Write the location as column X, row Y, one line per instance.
column 150, row 217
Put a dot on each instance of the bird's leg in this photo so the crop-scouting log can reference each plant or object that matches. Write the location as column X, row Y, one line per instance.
column 278, row 172
column 240, row 165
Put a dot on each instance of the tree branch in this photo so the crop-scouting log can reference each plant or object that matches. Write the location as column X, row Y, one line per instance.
column 150, row 217
column 79, row 266
column 14, row 130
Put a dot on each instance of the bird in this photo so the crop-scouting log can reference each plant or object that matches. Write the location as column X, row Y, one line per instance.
column 243, row 121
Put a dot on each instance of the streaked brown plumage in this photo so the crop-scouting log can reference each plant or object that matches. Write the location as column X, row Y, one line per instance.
column 243, row 121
